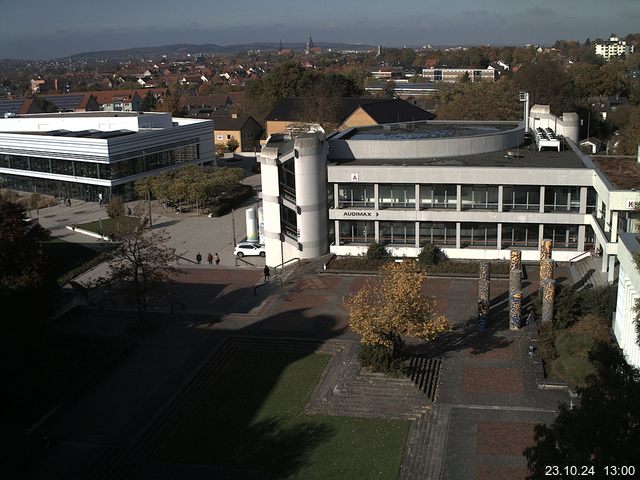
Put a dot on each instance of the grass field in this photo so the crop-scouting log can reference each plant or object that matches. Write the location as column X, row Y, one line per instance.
column 251, row 419
column 109, row 225
column 68, row 260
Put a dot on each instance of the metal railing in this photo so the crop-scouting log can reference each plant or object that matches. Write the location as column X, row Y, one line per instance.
column 588, row 253
column 238, row 259
column 282, row 265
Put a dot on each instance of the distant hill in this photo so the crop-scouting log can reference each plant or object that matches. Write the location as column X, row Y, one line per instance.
column 209, row 48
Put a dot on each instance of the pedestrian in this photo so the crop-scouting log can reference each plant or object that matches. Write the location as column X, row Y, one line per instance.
column 100, row 199
column 216, row 257
column 210, row 259
column 267, row 274
column 199, row 258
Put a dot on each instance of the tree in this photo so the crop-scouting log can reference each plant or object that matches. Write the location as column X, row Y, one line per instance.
column 172, row 102
column 376, row 251
column 232, row 144
column 602, row 430
column 149, row 102
column 115, row 207
column 465, row 78
column 221, row 149
column 392, row 305
column 140, row 263
column 429, row 255
column 389, row 89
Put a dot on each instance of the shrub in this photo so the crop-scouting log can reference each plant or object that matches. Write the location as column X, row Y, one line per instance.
column 115, row 207
column 233, row 144
column 376, row 251
column 429, row 255
column 547, row 347
column 378, row 358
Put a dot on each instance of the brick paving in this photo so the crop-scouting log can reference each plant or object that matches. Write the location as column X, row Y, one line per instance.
column 487, row 401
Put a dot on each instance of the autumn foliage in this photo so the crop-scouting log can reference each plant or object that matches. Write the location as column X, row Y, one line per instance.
column 392, row 305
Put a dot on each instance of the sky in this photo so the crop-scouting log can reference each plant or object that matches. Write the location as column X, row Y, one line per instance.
column 43, row 29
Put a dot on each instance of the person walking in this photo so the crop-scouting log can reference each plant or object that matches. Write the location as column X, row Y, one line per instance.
column 210, row 259
column 267, row 274
column 199, row 258
column 216, row 257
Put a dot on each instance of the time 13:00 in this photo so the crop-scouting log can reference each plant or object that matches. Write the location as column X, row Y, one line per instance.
column 573, row 470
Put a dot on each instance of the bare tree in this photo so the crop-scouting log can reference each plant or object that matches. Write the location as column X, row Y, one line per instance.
column 141, row 263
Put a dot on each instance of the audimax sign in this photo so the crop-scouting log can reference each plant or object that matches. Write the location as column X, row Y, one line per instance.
column 350, row 213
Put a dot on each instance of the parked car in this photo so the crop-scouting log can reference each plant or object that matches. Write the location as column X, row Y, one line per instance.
column 249, row 249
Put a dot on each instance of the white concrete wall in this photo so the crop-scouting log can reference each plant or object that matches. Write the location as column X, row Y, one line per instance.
column 44, row 122
column 628, row 292
column 567, row 125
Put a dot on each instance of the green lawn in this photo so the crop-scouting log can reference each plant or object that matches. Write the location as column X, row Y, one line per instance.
column 251, row 419
column 107, row 225
column 68, row 260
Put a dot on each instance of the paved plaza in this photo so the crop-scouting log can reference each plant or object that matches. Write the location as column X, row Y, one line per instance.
column 486, row 399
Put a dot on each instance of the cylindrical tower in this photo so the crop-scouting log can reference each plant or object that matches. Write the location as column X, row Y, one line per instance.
column 310, row 156
column 261, row 225
column 252, row 227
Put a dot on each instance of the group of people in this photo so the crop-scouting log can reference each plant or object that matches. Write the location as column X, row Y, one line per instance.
column 210, row 258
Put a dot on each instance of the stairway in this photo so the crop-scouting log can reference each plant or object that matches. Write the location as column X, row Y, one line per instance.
column 586, row 273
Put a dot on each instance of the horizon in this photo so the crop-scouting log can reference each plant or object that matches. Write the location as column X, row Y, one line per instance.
column 62, row 32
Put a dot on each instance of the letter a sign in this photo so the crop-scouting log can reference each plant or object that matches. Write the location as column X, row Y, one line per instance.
column 354, row 177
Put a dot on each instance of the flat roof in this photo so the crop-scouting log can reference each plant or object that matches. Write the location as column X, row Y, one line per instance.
column 523, row 157
column 418, row 130
column 80, row 134
column 622, row 172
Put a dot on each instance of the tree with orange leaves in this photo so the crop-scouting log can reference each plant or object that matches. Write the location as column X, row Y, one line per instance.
column 392, row 305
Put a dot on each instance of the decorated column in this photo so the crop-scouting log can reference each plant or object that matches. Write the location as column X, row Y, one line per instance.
column 548, row 297
column 515, row 310
column 545, row 248
column 483, row 294
column 515, row 260
column 546, row 270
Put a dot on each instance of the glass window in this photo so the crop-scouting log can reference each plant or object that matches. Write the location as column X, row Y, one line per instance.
column 478, row 234
column 562, row 199
column 398, row 233
column 592, row 200
column 562, row 236
column 397, row 196
column 39, row 164
column 438, row 233
column 520, row 197
column 19, row 163
column 358, row 195
column 86, row 169
column 357, row 232
column 289, row 223
column 520, row 235
column 61, row 167
column 438, row 196
column 287, row 179
column 480, row 197
column 4, row 160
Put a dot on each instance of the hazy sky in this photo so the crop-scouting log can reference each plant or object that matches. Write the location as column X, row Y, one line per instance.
column 55, row 28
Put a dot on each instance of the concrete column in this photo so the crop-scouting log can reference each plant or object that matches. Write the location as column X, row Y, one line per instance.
column 583, row 200
column 375, row 197
column 459, row 198
column 417, row 196
column 515, row 310
column 540, row 233
column 484, row 294
column 541, row 203
column 337, row 231
column 377, row 230
column 499, row 237
column 417, row 234
column 582, row 234
column 500, row 197
column 612, row 268
column 604, row 262
column 336, row 200
column 614, row 226
column 457, row 234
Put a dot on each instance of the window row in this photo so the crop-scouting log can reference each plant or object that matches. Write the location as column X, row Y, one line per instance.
column 482, row 197
column 446, row 233
column 110, row 171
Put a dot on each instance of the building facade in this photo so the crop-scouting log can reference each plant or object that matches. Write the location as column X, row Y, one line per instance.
column 614, row 47
column 453, row 75
column 474, row 189
column 82, row 155
column 624, row 323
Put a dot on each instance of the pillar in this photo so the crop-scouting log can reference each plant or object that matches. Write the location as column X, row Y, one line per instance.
column 515, row 260
column 545, row 248
column 548, row 297
column 484, row 293
column 612, row 268
column 541, row 200
column 458, row 198
column 546, row 270
column 515, row 310
column 500, row 197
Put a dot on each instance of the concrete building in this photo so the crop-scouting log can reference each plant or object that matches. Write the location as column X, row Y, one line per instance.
column 453, row 75
column 624, row 323
column 473, row 188
column 82, row 155
column 614, row 47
